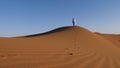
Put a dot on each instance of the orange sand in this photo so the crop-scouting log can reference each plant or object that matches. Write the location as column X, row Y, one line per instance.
column 66, row 47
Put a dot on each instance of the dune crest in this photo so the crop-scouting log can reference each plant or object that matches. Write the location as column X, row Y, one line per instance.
column 66, row 47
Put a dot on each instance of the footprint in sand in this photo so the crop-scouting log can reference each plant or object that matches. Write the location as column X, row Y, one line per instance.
column 70, row 54
column 5, row 56
column 119, row 40
column 66, row 48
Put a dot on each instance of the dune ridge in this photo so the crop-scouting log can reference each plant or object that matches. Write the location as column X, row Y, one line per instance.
column 65, row 47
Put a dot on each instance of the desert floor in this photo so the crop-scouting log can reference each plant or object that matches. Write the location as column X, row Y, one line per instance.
column 65, row 47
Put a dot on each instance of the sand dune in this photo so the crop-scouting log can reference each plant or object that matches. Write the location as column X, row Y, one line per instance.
column 65, row 47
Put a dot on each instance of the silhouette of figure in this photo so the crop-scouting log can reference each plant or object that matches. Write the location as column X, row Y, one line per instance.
column 73, row 21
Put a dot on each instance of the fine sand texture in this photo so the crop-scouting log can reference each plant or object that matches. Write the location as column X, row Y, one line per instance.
column 65, row 47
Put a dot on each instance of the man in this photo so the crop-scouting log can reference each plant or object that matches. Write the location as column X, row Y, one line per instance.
column 73, row 21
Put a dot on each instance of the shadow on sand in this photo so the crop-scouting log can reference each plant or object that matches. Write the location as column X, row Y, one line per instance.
column 49, row 32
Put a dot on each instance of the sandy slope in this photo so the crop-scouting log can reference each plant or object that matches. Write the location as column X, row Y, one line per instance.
column 112, row 38
column 66, row 47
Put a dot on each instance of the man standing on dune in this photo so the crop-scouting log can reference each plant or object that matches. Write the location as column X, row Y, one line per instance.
column 73, row 21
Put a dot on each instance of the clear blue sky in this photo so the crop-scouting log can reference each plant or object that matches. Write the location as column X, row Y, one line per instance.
column 24, row 17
